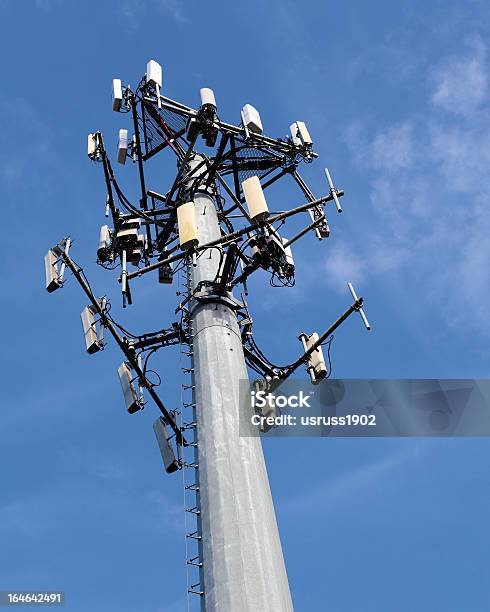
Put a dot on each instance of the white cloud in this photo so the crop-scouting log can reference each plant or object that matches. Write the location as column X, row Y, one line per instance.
column 132, row 11
column 172, row 8
column 429, row 202
column 461, row 84
column 135, row 11
column 392, row 149
column 343, row 265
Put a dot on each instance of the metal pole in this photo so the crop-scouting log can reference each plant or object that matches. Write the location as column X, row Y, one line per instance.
column 243, row 565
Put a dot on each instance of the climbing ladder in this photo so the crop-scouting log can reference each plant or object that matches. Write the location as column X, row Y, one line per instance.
column 189, row 459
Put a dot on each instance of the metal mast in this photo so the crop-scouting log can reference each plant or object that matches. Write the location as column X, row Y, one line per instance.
column 214, row 225
column 242, row 558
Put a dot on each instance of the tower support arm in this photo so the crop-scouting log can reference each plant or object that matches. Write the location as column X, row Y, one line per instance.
column 130, row 356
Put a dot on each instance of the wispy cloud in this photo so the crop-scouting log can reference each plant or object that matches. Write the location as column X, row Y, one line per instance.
column 134, row 12
column 461, row 84
column 174, row 8
column 390, row 150
column 429, row 200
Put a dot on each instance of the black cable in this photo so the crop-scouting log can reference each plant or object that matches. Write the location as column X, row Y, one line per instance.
column 329, row 344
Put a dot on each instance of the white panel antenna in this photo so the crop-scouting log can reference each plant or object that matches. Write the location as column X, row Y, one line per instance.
column 93, row 146
column 154, row 77
column 54, row 278
column 92, row 343
column 170, row 462
column 105, row 240
column 129, row 391
column 51, row 271
column 251, row 119
column 117, row 95
column 122, row 146
column 317, row 368
column 301, row 136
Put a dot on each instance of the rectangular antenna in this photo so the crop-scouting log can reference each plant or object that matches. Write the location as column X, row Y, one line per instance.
column 165, row 273
column 104, row 250
column 116, row 95
column 92, row 343
column 300, row 134
column 251, row 119
column 169, row 461
column 122, row 146
column 317, row 368
column 154, row 77
column 51, row 271
column 130, row 396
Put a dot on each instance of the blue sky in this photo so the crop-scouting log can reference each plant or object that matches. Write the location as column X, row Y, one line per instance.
column 396, row 96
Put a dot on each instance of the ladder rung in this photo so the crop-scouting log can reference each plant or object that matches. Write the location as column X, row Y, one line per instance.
column 192, row 487
column 191, row 590
column 194, row 510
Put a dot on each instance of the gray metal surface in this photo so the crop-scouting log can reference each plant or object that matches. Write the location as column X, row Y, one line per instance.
column 243, row 562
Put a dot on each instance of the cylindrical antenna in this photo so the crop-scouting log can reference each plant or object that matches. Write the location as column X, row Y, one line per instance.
column 124, row 281
column 333, row 191
column 140, row 381
column 360, row 310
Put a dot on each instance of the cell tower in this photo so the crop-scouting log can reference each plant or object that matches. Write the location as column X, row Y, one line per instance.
column 212, row 226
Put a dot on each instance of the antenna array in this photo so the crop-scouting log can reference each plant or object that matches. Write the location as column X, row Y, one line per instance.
column 159, row 233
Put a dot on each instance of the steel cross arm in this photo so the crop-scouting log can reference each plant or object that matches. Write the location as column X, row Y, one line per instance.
column 237, row 203
column 258, row 362
column 304, row 358
column 108, row 183
column 233, row 236
column 165, row 235
column 178, row 107
column 164, row 339
column 314, row 213
column 139, row 153
column 217, row 158
column 162, row 145
column 247, row 271
column 175, row 146
column 304, row 231
column 229, row 128
column 261, row 139
column 105, row 321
